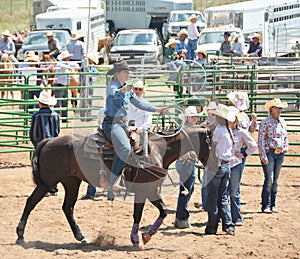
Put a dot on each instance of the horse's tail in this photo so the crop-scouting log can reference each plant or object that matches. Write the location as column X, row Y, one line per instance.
column 35, row 164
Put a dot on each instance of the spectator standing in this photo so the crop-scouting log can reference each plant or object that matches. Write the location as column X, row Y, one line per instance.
column 53, row 45
column 62, row 80
column 77, row 48
column 186, row 169
column 237, row 47
column 44, row 124
column 272, row 144
column 193, row 35
column 218, row 173
column 226, row 45
column 181, row 47
column 7, row 45
column 255, row 48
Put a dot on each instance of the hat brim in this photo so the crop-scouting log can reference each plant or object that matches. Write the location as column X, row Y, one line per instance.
column 269, row 105
column 115, row 70
column 51, row 102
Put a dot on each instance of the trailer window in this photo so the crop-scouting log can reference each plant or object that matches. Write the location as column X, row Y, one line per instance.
column 78, row 25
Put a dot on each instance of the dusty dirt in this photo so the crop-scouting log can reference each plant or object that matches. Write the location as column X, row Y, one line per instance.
column 108, row 225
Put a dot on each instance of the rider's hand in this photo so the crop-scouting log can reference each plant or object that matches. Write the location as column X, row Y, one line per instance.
column 126, row 88
column 162, row 110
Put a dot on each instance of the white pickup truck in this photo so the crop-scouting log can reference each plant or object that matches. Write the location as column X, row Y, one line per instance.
column 178, row 20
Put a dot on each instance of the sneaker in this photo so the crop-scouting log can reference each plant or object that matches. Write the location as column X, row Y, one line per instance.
column 267, row 210
column 182, row 223
column 230, row 232
column 238, row 223
column 274, row 210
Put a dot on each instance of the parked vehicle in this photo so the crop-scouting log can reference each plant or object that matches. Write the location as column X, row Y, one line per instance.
column 137, row 46
column 210, row 39
column 37, row 41
column 276, row 21
column 178, row 20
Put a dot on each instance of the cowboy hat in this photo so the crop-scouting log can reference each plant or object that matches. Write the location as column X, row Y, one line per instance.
column 171, row 41
column 226, row 34
column 211, row 107
column 276, row 102
column 6, row 33
column 239, row 99
column 241, row 116
column 193, row 16
column 64, row 54
column 225, row 112
column 45, row 98
column 191, row 111
column 34, row 58
column 256, row 35
column 74, row 36
column 50, row 33
column 233, row 36
column 199, row 50
column 118, row 67
column 93, row 57
column 182, row 31
column 138, row 84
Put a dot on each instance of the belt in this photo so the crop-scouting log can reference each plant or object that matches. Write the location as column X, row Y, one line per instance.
column 275, row 150
column 224, row 161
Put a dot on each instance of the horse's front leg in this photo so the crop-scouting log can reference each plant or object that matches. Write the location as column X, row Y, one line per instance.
column 156, row 225
column 137, row 215
column 71, row 185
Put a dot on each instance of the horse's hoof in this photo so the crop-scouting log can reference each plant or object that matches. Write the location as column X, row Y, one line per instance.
column 20, row 241
column 138, row 246
column 85, row 241
column 146, row 237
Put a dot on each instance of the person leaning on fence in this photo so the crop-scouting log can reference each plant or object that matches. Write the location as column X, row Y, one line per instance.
column 118, row 96
column 186, row 169
column 241, row 137
column 272, row 145
column 44, row 124
column 181, row 47
column 218, row 173
column 237, row 47
column 226, row 44
column 255, row 48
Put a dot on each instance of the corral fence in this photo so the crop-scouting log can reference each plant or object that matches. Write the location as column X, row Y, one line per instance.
column 194, row 85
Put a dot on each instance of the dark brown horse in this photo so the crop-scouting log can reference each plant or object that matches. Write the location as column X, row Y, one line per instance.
column 61, row 159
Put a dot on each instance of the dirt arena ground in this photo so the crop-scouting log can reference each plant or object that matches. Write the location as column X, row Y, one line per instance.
column 108, row 225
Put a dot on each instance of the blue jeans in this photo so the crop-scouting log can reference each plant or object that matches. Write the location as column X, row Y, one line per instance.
column 204, row 189
column 217, row 201
column 191, row 47
column 187, row 176
column 91, row 191
column 270, row 186
column 62, row 103
column 115, row 131
column 234, row 192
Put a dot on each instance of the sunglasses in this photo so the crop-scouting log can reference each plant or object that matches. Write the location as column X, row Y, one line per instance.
column 138, row 89
column 193, row 116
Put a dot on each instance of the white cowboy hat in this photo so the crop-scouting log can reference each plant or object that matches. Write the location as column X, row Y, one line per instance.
column 233, row 36
column 171, row 41
column 193, row 16
column 50, row 33
column 64, row 54
column 74, row 36
column 256, row 35
column 182, row 31
column 241, row 116
column 6, row 33
column 276, row 102
column 30, row 56
column 45, row 98
column 239, row 99
column 225, row 112
column 93, row 57
column 199, row 50
column 191, row 111
column 138, row 84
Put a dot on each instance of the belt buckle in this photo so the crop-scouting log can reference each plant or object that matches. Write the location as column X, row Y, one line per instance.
column 277, row 151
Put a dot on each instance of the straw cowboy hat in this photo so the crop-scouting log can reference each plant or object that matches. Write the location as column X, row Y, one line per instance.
column 74, row 36
column 171, row 41
column 239, row 99
column 193, row 16
column 182, row 31
column 64, row 54
column 276, row 102
column 191, row 111
column 199, row 50
column 93, row 57
column 225, row 112
column 241, row 116
column 256, row 35
column 233, row 36
column 50, row 34
column 138, row 84
column 6, row 33
column 118, row 67
column 46, row 98
column 212, row 106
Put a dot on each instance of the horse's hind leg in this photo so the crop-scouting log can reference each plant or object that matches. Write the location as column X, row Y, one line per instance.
column 71, row 185
column 36, row 196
